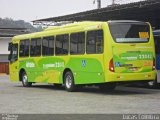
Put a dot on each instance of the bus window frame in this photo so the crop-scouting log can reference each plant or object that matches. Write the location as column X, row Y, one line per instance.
column 95, row 41
column 28, row 48
column 43, row 38
column 38, row 38
column 84, row 43
column 68, row 35
column 132, row 23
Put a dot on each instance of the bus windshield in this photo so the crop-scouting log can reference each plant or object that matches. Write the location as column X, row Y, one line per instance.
column 129, row 32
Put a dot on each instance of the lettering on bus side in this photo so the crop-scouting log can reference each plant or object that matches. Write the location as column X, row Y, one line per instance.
column 118, row 64
column 54, row 65
column 30, row 65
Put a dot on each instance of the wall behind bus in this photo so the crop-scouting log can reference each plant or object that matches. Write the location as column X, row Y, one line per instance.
column 4, row 45
column 4, row 67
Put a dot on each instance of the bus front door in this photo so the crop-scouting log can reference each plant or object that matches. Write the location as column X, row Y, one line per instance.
column 13, row 58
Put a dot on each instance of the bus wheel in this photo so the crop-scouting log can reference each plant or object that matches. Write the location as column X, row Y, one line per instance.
column 152, row 84
column 25, row 82
column 69, row 82
column 107, row 86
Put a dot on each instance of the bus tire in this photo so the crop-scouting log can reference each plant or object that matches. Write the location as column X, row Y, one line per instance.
column 107, row 86
column 69, row 82
column 152, row 84
column 24, row 79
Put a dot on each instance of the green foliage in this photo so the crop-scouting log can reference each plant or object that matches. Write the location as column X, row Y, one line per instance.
column 10, row 23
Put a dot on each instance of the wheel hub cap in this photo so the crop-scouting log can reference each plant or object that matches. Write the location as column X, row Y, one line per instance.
column 68, row 81
column 25, row 79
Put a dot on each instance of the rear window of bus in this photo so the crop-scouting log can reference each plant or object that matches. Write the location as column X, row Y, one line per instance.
column 136, row 32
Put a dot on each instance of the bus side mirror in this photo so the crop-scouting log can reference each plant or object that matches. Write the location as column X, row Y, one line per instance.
column 9, row 46
column 9, row 57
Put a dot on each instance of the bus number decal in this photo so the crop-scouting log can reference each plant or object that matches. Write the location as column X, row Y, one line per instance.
column 55, row 65
column 145, row 56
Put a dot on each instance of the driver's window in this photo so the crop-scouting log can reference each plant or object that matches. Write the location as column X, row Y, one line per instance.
column 14, row 52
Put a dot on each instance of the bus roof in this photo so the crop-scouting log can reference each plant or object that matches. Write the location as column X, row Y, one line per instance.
column 80, row 25
column 125, row 21
column 59, row 28
column 76, row 24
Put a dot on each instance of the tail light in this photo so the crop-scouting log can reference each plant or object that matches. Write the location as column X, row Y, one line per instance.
column 154, row 64
column 111, row 65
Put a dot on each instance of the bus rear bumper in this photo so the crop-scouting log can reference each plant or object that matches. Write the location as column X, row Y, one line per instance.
column 117, row 77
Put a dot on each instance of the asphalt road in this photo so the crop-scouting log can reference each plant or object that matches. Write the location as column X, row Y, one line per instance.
column 45, row 99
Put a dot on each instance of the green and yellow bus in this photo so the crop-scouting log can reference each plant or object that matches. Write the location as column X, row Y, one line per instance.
column 98, row 53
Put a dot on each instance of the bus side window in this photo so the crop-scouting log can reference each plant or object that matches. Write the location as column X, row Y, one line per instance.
column 99, row 41
column 77, row 43
column 35, row 48
column 62, row 44
column 95, row 42
column 51, row 46
column 27, row 48
column 45, row 44
column 38, row 47
column 48, row 46
column 24, row 48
